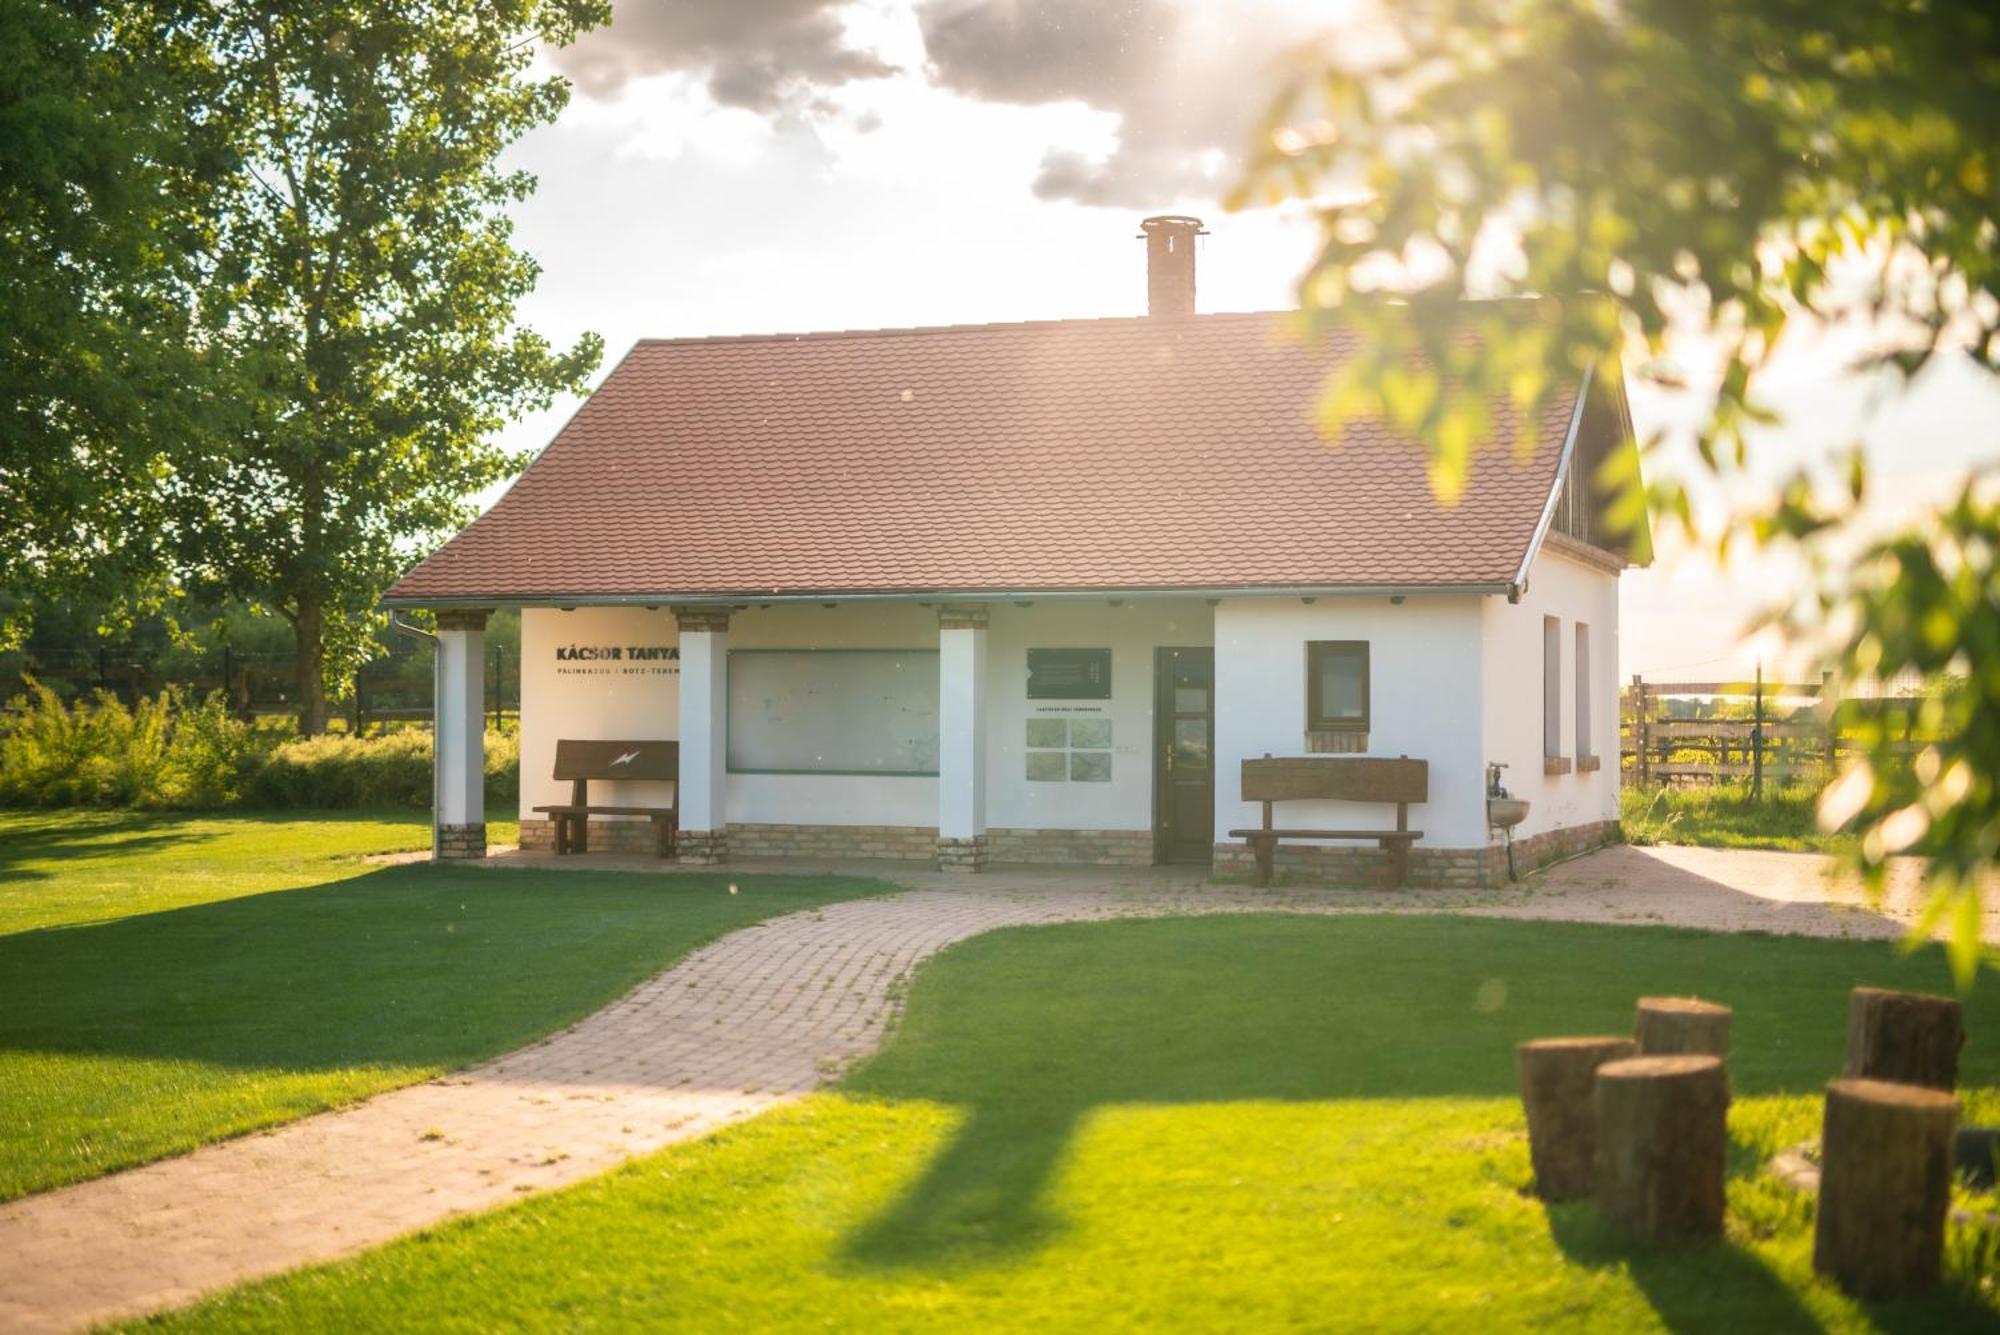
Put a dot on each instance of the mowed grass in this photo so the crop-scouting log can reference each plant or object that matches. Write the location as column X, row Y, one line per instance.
column 165, row 982
column 1237, row 1123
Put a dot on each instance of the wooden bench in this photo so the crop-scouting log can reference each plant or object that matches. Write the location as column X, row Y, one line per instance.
column 580, row 762
column 1336, row 779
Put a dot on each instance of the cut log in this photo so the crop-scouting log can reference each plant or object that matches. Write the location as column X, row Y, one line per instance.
column 1903, row 1036
column 1558, row 1089
column 1885, row 1186
column 1661, row 1137
column 1668, row 1026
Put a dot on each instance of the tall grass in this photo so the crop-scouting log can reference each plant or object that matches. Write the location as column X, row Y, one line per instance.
column 179, row 751
column 1726, row 816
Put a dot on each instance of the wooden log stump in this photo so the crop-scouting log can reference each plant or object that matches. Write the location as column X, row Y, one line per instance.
column 1661, row 1138
column 1558, row 1089
column 1903, row 1036
column 1669, row 1026
column 1885, row 1186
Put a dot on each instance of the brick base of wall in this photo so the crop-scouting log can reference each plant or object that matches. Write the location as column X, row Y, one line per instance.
column 1076, row 848
column 1539, row 850
column 701, row 848
column 912, row 843
column 963, row 855
column 461, row 841
column 606, row 836
column 906, row 843
column 1430, row 868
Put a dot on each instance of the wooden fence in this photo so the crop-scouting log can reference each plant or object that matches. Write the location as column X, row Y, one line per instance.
column 1713, row 732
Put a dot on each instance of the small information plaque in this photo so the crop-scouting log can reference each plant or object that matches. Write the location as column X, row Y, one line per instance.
column 1069, row 674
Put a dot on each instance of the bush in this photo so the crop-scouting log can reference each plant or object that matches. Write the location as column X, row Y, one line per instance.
column 392, row 770
column 173, row 751
column 169, row 751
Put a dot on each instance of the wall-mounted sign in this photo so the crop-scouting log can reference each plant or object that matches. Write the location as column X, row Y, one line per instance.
column 626, row 660
column 1069, row 674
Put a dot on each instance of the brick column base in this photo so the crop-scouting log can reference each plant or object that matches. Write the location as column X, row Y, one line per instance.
column 701, row 848
column 966, row 855
column 461, row 841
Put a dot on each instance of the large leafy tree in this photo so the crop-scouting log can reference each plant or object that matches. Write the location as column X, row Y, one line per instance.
column 363, row 289
column 1726, row 168
column 108, row 165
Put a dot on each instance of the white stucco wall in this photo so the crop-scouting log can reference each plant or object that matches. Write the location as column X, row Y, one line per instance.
column 1131, row 631
column 1571, row 591
column 1454, row 680
column 638, row 701
column 1425, row 693
column 611, row 700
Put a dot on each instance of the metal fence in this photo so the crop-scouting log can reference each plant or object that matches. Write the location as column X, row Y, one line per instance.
column 1756, row 731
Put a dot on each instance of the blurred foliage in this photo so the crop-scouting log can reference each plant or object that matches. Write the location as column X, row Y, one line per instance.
column 1717, row 168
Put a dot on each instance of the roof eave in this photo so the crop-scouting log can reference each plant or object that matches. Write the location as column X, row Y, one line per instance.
column 1519, row 584
column 1481, row 588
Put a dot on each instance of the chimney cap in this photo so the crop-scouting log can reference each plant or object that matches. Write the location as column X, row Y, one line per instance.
column 1171, row 222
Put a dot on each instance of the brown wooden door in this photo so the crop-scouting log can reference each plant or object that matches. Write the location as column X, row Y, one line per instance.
column 1183, row 747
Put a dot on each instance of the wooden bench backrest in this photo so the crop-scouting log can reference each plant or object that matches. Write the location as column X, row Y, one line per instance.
column 618, row 760
column 1337, row 778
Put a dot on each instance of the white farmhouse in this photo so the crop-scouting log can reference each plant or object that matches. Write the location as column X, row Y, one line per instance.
column 1035, row 592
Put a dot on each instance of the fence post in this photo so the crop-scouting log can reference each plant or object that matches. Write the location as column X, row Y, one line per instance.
column 1757, row 740
column 1832, row 708
column 228, row 670
column 100, row 667
column 1642, row 731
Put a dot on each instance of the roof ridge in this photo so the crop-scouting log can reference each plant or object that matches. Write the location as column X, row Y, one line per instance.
column 989, row 327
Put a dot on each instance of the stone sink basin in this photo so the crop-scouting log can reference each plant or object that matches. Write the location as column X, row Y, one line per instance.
column 1503, row 813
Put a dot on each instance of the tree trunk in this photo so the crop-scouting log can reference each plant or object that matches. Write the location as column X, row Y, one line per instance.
column 1670, row 1025
column 1904, row 1036
column 1661, row 1137
column 1558, row 1083
column 1884, row 1187
column 308, row 677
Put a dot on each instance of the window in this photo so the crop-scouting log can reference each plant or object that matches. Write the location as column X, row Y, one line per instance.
column 1553, row 760
column 1074, row 749
column 1581, row 669
column 833, row 711
column 1337, row 686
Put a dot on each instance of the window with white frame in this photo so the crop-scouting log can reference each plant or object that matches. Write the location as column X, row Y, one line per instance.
column 1585, row 756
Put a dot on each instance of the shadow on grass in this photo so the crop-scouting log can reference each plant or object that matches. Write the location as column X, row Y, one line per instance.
column 401, row 966
column 1693, row 1287
column 1029, row 1030
column 29, row 837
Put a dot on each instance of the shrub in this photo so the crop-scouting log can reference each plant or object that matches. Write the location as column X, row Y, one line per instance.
column 173, row 751
column 164, row 752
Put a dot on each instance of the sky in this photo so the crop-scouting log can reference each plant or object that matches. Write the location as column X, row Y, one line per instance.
column 782, row 165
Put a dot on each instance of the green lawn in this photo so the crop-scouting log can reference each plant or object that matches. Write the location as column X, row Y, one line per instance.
column 169, row 981
column 1223, row 1123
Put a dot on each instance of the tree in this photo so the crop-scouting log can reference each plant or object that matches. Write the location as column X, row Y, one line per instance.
column 1730, row 167
column 363, row 290
column 106, row 164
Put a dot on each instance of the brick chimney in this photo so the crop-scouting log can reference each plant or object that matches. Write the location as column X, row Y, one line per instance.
column 1169, row 242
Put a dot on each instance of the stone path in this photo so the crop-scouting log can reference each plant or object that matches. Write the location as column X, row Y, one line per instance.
column 761, row 1016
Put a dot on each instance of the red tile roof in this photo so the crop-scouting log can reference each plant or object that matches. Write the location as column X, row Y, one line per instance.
column 1069, row 455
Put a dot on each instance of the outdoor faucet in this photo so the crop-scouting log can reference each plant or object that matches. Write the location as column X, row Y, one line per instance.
column 1493, row 788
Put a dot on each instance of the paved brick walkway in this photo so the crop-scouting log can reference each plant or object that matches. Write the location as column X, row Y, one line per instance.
column 761, row 1016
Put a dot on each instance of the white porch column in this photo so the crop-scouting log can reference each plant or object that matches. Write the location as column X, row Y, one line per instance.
column 961, row 840
column 458, row 735
column 704, row 733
